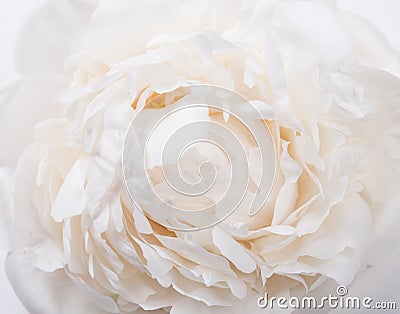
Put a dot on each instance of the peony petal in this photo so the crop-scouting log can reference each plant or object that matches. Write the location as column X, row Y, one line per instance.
column 25, row 213
column 296, row 24
column 373, row 50
column 43, row 292
column 46, row 33
column 187, row 305
column 105, row 303
column 71, row 199
column 46, row 256
column 18, row 117
column 233, row 251
column 5, row 208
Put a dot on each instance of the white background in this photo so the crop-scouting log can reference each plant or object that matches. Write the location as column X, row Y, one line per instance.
column 384, row 14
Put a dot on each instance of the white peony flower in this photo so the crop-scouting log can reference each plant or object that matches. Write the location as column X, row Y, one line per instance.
column 326, row 84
